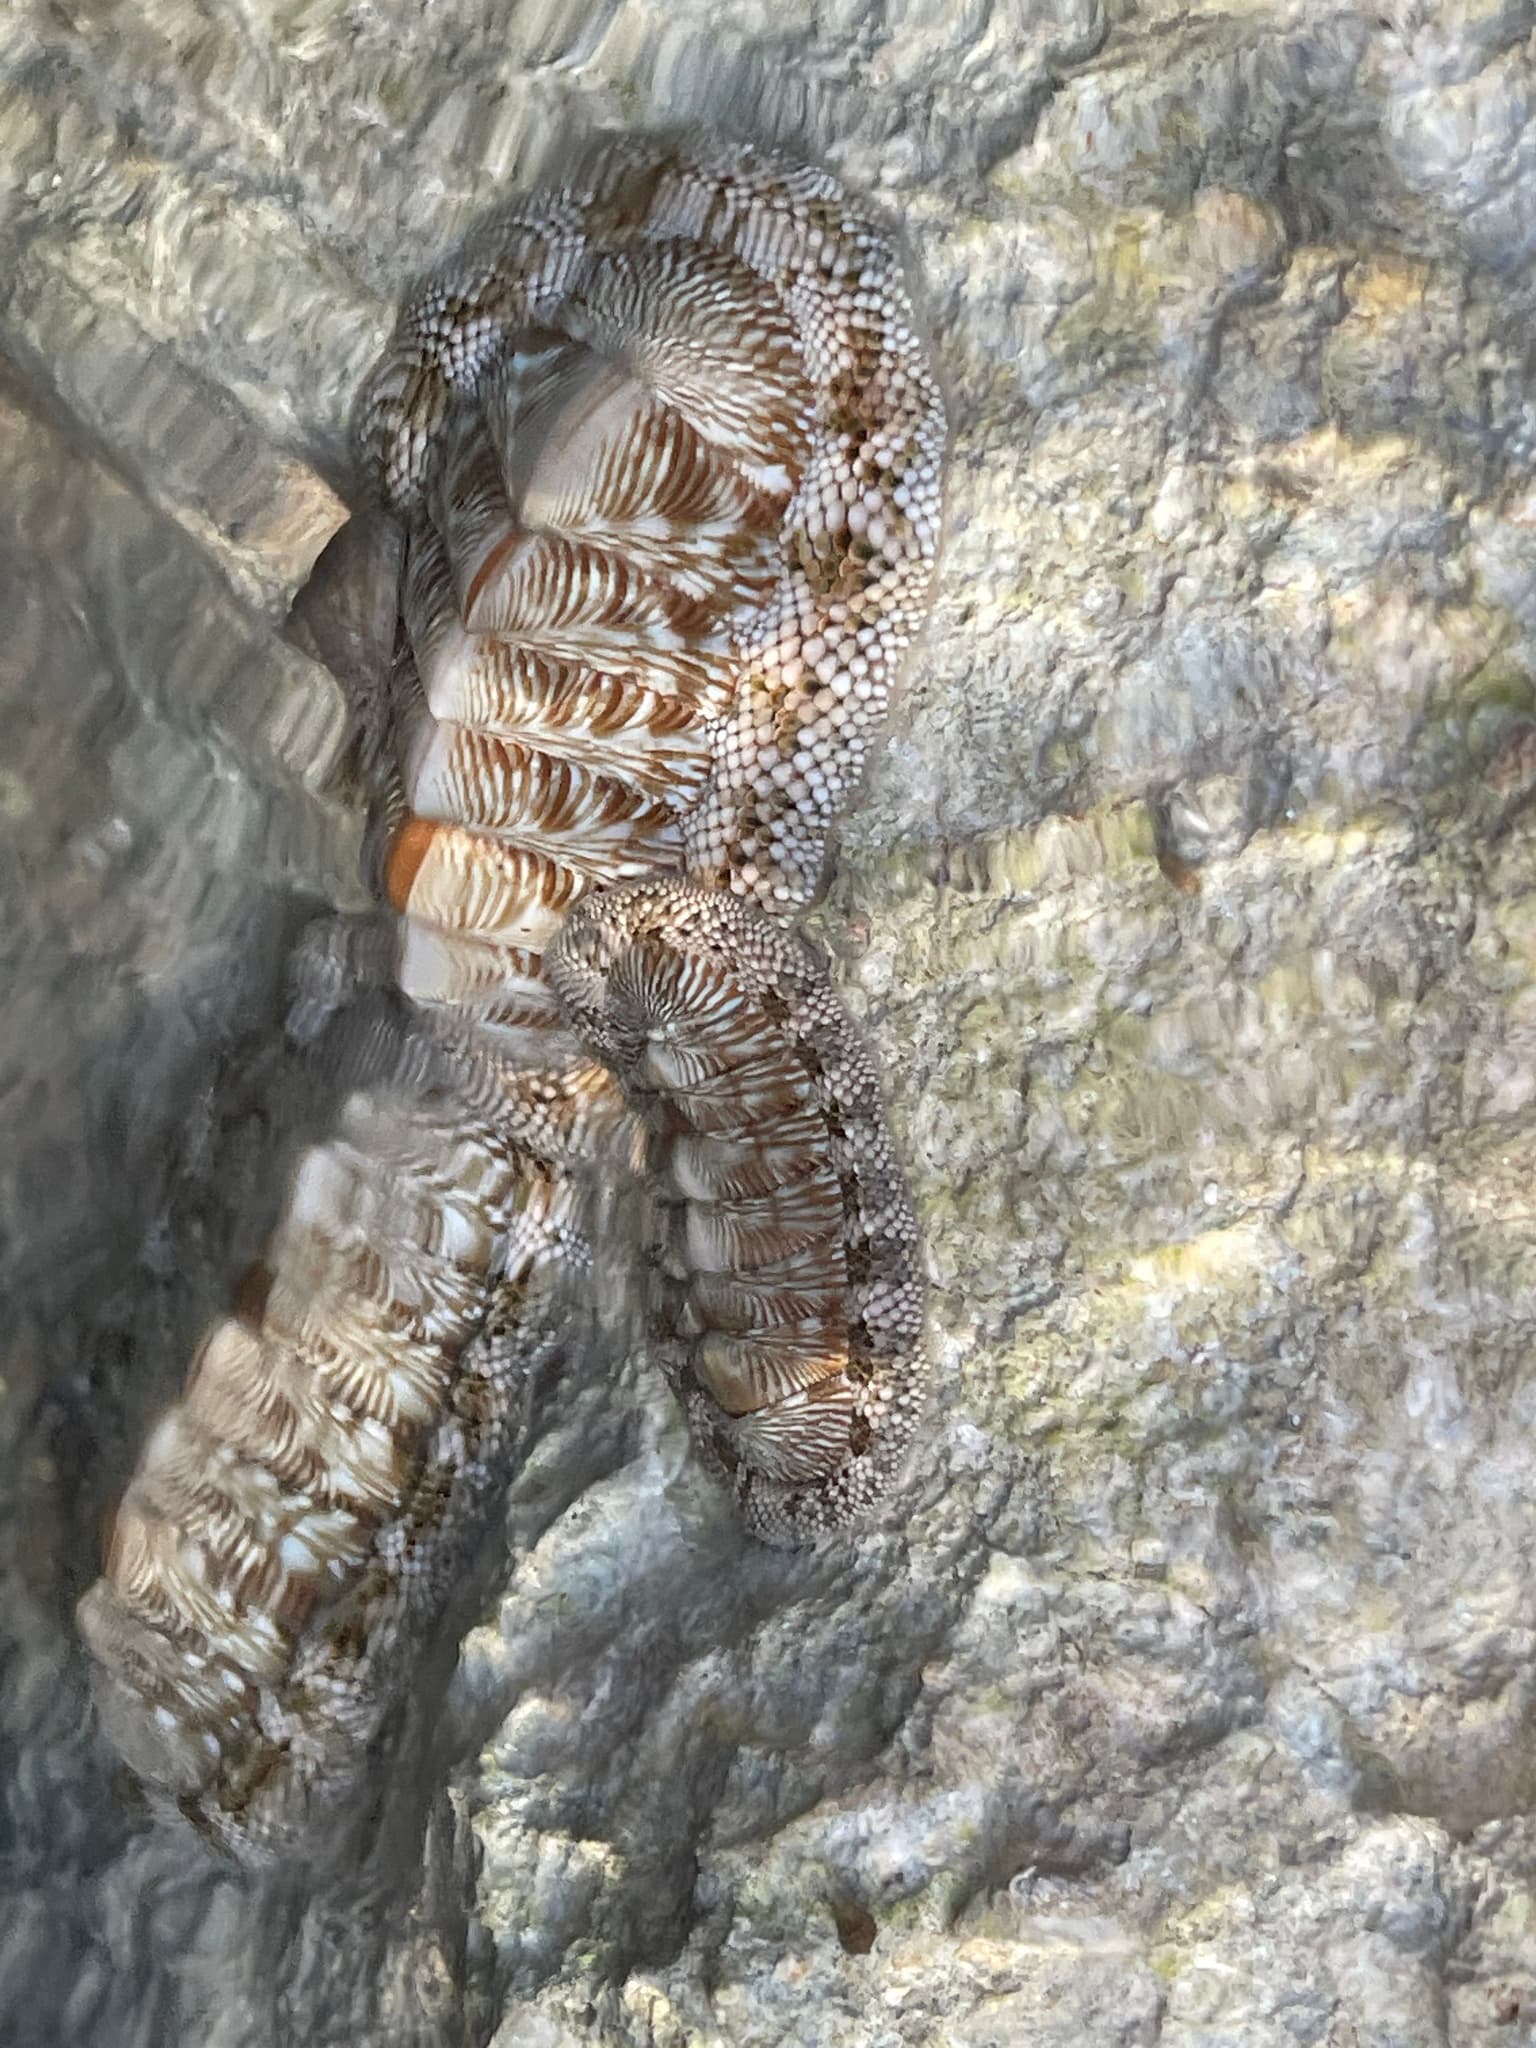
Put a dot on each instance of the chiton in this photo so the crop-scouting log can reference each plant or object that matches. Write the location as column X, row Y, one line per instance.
column 649, row 486
column 789, row 1300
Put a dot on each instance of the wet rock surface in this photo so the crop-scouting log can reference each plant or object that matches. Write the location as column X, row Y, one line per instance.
column 1185, row 1694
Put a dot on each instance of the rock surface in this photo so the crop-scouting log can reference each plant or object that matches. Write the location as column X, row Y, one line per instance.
column 1187, row 1695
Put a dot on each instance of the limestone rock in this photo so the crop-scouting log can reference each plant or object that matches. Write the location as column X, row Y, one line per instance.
column 1185, row 1695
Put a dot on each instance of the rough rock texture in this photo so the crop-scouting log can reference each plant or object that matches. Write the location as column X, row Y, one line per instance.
column 1186, row 1695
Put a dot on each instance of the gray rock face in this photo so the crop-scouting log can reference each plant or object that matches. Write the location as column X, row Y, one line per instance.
column 1186, row 1694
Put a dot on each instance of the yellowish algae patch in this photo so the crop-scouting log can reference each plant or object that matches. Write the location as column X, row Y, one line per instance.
column 1093, row 1030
